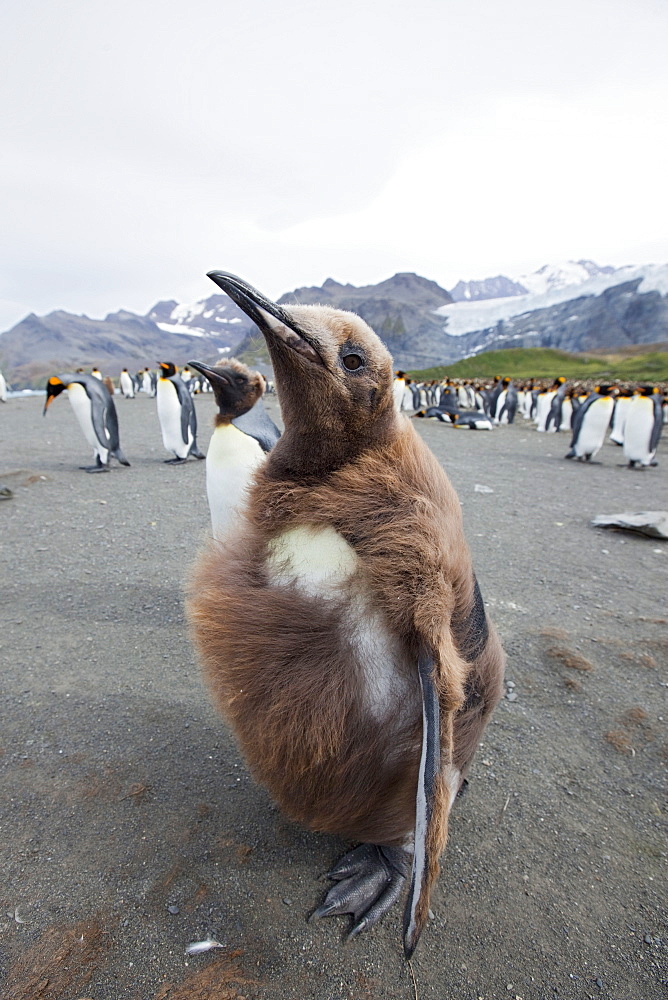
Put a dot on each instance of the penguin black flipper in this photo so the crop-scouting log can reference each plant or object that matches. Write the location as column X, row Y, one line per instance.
column 187, row 408
column 194, row 450
column 109, row 420
column 425, row 853
column 658, row 423
column 257, row 423
column 578, row 418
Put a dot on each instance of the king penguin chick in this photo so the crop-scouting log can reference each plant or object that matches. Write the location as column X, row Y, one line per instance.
column 341, row 630
column 176, row 413
column 94, row 409
column 244, row 433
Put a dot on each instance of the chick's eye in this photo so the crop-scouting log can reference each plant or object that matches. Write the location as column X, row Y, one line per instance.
column 352, row 362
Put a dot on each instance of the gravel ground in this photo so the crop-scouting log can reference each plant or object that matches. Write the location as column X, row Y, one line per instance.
column 129, row 826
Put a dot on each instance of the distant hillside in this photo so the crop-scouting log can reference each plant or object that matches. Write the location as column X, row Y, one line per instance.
column 539, row 362
column 38, row 346
column 401, row 310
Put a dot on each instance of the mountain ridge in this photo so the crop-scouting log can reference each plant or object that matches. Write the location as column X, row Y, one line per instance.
column 421, row 323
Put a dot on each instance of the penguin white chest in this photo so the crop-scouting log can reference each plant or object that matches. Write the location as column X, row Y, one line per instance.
column 231, row 459
column 83, row 410
column 543, row 409
column 169, row 414
column 638, row 430
column 320, row 562
column 594, row 425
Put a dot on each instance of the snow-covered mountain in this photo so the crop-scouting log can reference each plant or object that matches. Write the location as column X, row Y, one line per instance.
column 551, row 277
column 214, row 316
column 487, row 288
column 627, row 306
column 464, row 317
column 545, row 279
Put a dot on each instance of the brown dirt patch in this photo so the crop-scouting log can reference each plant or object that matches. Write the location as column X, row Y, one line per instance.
column 620, row 740
column 60, row 964
column 569, row 658
column 216, row 981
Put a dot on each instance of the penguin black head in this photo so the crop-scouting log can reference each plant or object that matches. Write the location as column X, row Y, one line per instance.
column 54, row 387
column 167, row 369
column 235, row 387
column 604, row 390
column 333, row 375
column 647, row 390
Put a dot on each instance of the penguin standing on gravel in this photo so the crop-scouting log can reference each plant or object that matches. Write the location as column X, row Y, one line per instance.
column 591, row 423
column 341, row 629
column 127, row 384
column 94, row 409
column 643, row 426
column 176, row 413
column 243, row 436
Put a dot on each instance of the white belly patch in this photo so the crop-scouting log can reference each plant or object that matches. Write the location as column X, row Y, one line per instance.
column 316, row 560
column 321, row 563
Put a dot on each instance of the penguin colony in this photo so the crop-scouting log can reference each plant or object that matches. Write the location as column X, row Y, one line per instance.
column 633, row 415
column 92, row 399
column 340, row 625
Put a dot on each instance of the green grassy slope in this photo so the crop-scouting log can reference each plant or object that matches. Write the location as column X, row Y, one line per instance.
column 542, row 362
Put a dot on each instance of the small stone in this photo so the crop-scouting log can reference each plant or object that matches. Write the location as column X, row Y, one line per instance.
column 599, row 983
column 648, row 939
column 511, row 696
column 173, row 909
column 510, row 684
column 288, row 902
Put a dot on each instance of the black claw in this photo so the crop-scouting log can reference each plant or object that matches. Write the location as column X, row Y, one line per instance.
column 369, row 880
column 463, row 788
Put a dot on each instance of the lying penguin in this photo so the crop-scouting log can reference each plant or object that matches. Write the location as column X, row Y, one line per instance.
column 94, row 409
column 243, row 435
column 341, row 630
column 475, row 420
column 176, row 413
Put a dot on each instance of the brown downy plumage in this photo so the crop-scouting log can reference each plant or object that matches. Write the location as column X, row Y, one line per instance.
column 350, row 568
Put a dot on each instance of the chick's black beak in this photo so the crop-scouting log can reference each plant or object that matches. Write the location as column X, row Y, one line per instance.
column 214, row 375
column 272, row 320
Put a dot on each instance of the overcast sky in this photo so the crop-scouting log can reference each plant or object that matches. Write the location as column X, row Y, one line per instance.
column 144, row 143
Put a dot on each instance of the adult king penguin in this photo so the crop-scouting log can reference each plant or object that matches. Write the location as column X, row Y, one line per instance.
column 244, row 433
column 127, row 385
column 341, row 629
column 591, row 422
column 94, row 409
column 176, row 413
column 642, row 430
